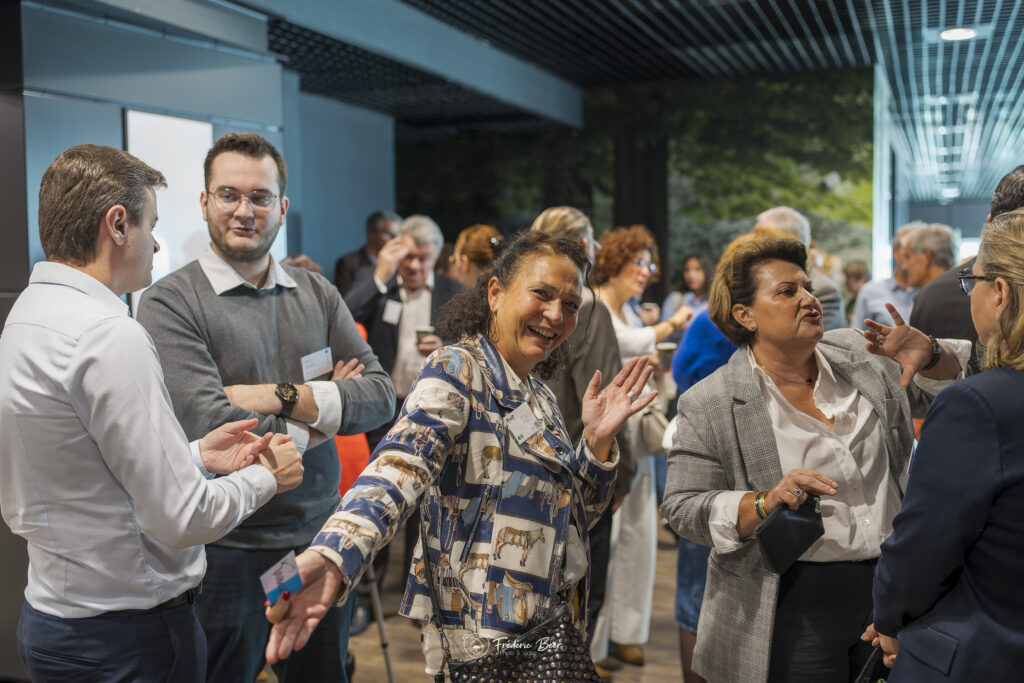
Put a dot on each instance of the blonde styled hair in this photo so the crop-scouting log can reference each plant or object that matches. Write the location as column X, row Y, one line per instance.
column 1003, row 243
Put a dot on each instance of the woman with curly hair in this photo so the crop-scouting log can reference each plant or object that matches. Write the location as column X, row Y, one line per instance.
column 627, row 262
column 480, row 447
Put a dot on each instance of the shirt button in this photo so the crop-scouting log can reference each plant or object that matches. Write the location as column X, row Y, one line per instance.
column 559, row 450
column 855, row 487
column 867, row 522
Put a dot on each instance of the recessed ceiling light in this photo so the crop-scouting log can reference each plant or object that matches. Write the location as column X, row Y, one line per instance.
column 958, row 34
column 950, row 192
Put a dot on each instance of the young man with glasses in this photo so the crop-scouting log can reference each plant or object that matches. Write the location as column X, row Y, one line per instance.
column 241, row 335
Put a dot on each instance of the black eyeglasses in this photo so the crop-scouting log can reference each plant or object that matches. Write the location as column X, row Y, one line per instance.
column 967, row 280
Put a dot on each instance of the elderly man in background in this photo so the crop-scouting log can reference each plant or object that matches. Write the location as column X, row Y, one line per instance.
column 928, row 251
column 398, row 301
column 826, row 290
column 96, row 473
column 893, row 290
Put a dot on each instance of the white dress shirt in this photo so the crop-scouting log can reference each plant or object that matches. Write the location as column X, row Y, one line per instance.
column 416, row 305
column 223, row 278
column 853, row 453
column 95, row 471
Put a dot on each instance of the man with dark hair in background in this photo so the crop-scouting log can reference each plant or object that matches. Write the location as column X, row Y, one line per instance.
column 381, row 226
column 96, row 473
column 941, row 309
column 242, row 336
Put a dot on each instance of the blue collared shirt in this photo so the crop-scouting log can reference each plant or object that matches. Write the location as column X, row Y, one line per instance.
column 873, row 297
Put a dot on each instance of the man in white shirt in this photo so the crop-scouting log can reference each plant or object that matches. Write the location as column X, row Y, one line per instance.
column 400, row 298
column 242, row 336
column 95, row 471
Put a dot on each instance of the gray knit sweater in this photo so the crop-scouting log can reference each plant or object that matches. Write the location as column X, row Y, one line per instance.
column 245, row 336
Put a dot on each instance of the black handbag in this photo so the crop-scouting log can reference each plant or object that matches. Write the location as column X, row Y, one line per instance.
column 553, row 650
column 786, row 534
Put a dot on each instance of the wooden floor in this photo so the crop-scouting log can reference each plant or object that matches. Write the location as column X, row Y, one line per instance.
column 661, row 652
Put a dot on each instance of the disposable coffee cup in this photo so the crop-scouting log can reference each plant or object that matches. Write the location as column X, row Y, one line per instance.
column 422, row 332
column 665, row 352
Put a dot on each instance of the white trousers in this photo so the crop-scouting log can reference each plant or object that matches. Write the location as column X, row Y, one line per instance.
column 625, row 617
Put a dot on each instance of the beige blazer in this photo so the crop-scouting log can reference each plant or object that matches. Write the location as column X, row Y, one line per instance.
column 724, row 442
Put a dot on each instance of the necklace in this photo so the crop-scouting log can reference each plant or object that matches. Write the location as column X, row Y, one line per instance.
column 809, row 381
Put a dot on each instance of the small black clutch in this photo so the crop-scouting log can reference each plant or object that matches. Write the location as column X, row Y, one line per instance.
column 786, row 534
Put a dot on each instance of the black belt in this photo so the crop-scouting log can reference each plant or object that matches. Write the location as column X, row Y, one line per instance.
column 186, row 598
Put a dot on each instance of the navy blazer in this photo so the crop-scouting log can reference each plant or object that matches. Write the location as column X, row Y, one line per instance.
column 367, row 306
column 949, row 581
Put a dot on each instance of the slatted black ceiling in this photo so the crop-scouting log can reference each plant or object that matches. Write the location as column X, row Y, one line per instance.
column 422, row 104
column 954, row 104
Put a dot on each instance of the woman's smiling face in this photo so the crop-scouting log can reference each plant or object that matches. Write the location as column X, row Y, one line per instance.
column 536, row 311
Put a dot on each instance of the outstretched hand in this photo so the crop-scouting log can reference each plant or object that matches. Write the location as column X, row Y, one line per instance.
column 295, row 619
column 906, row 345
column 605, row 412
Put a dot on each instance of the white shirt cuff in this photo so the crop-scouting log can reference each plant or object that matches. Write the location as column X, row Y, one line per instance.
column 299, row 432
column 381, row 287
column 197, row 458
column 613, row 456
column 725, row 512
column 962, row 349
column 327, row 397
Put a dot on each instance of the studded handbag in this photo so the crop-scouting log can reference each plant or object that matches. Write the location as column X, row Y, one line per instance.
column 553, row 650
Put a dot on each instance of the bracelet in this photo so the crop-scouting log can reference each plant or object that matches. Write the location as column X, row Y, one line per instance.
column 936, row 354
column 759, row 504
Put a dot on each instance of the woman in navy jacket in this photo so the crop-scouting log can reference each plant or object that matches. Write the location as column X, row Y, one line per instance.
column 947, row 593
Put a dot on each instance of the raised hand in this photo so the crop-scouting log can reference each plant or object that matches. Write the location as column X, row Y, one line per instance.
column 390, row 255
column 294, row 619
column 906, row 345
column 605, row 412
column 231, row 447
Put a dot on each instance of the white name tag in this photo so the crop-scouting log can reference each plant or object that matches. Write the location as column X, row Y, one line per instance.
column 316, row 364
column 392, row 311
column 523, row 423
column 282, row 577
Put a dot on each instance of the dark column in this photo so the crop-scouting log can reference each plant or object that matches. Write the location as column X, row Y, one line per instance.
column 13, row 278
column 641, row 189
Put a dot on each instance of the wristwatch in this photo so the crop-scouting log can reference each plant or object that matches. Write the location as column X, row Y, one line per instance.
column 936, row 354
column 289, row 396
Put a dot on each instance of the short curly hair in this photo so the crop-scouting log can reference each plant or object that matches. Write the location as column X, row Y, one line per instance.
column 618, row 247
column 736, row 278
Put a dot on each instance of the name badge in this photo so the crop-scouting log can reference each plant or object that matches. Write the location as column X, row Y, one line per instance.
column 523, row 423
column 392, row 311
column 283, row 576
column 316, row 364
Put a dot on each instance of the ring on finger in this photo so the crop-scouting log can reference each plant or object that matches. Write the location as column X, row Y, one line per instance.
column 632, row 395
column 798, row 492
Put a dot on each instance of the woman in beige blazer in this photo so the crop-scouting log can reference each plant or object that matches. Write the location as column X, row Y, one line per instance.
column 795, row 412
